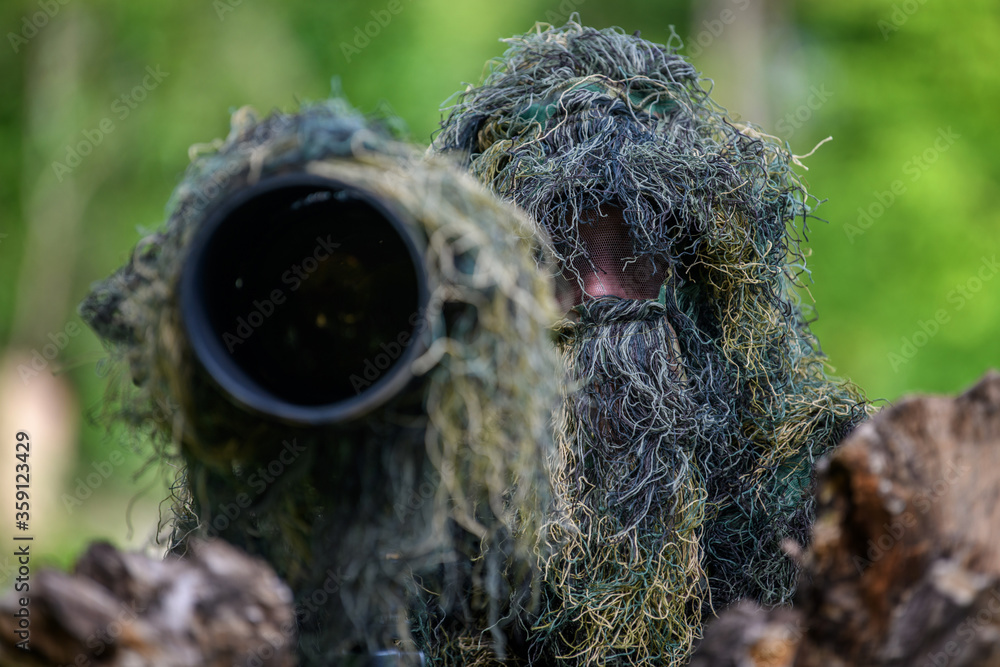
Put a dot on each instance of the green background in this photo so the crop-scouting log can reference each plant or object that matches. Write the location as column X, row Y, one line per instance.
column 885, row 79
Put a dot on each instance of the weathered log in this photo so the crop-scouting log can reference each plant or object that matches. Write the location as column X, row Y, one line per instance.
column 903, row 570
column 904, row 566
column 746, row 636
column 216, row 607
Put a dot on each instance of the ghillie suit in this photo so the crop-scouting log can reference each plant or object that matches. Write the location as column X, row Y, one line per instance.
column 697, row 399
column 417, row 525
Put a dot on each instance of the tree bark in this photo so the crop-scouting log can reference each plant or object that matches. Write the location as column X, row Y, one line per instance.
column 903, row 570
column 217, row 607
column 904, row 566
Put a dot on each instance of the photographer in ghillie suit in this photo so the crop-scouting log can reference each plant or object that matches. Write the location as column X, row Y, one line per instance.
column 696, row 398
column 411, row 527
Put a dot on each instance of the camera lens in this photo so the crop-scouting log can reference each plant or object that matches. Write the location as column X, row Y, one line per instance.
column 304, row 298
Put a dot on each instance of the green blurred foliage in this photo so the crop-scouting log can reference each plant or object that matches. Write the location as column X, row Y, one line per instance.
column 901, row 84
column 891, row 90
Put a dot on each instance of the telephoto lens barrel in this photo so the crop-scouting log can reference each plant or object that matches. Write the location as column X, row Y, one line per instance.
column 342, row 346
column 292, row 285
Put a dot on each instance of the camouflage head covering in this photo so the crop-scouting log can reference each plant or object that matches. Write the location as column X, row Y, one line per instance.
column 696, row 406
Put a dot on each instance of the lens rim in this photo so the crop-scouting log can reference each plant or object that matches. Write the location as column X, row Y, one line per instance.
column 218, row 362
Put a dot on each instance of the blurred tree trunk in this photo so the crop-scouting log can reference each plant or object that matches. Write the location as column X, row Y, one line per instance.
column 728, row 38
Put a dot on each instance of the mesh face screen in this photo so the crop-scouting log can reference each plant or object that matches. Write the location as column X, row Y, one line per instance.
column 609, row 265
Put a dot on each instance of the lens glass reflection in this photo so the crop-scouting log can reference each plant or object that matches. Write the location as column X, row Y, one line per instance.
column 312, row 291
